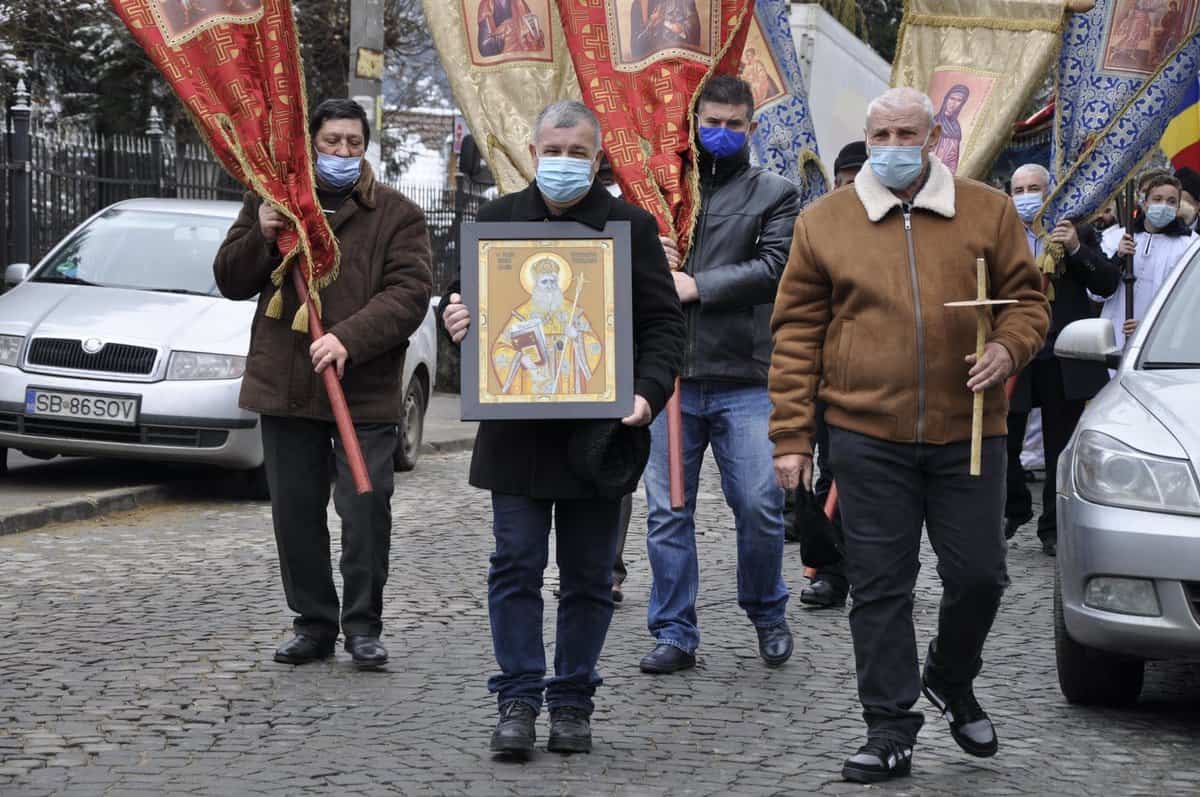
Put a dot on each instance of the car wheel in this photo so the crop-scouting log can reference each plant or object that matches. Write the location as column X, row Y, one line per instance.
column 1089, row 676
column 412, row 426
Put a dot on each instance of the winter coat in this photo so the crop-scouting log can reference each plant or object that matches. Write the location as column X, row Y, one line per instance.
column 861, row 312
column 378, row 300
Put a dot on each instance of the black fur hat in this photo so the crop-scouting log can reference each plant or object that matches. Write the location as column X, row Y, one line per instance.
column 609, row 455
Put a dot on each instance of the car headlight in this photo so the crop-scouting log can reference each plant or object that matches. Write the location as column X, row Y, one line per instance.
column 10, row 349
column 194, row 365
column 1111, row 473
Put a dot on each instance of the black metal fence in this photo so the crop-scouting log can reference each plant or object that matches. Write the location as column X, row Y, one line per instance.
column 53, row 178
column 445, row 211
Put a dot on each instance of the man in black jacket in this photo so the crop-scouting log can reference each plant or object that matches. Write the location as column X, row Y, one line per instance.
column 1059, row 387
column 727, row 286
column 526, row 467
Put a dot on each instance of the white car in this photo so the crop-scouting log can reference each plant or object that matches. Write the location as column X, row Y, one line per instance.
column 118, row 344
column 1128, row 586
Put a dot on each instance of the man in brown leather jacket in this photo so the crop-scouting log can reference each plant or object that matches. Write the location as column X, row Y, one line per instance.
column 860, row 317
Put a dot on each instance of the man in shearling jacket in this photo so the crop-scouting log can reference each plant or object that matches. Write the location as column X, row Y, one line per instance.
column 861, row 316
column 378, row 300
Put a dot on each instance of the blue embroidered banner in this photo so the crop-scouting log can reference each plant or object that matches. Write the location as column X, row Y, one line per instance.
column 1124, row 68
column 784, row 141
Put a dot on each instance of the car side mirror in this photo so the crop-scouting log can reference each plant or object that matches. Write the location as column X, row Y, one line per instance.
column 16, row 273
column 1090, row 339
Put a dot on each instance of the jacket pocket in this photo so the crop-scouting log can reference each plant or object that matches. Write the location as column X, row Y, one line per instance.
column 844, row 352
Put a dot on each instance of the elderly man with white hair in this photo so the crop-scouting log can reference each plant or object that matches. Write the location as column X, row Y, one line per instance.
column 861, row 319
column 1059, row 387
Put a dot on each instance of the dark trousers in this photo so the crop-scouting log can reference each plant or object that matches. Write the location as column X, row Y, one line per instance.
column 619, row 571
column 296, row 453
column 586, row 547
column 888, row 490
column 1059, row 417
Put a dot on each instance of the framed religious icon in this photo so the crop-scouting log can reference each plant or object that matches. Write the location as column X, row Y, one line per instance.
column 551, row 334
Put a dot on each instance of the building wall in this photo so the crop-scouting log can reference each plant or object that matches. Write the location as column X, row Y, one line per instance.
column 843, row 74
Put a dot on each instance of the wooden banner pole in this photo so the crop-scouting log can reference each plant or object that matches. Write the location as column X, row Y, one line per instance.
column 337, row 398
column 678, row 494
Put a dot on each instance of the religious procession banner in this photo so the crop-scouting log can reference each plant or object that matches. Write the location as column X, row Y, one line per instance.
column 1125, row 68
column 980, row 61
column 235, row 65
column 785, row 141
column 506, row 61
column 641, row 64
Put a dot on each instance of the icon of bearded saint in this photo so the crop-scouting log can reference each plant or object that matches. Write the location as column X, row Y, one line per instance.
column 548, row 346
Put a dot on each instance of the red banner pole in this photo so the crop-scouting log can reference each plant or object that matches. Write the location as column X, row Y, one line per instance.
column 337, row 399
column 675, row 449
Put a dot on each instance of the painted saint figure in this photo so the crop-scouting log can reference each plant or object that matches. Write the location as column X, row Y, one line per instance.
column 663, row 24
column 755, row 72
column 949, row 146
column 509, row 26
column 1166, row 35
column 546, row 348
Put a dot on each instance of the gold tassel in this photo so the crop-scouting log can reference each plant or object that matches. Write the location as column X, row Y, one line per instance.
column 316, row 299
column 1049, row 264
column 275, row 306
column 300, row 321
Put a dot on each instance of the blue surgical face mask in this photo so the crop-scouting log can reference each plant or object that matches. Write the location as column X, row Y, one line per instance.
column 562, row 179
column 1028, row 205
column 721, row 142
column 1160, row 215
column 338, row 172
column 897, row 167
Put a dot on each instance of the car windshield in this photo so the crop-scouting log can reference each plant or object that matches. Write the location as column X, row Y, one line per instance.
column 171, row 252
column 1174, row 340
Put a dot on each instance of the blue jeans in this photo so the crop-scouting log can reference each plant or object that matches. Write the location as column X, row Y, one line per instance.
column 586, row 550
column 733, row 418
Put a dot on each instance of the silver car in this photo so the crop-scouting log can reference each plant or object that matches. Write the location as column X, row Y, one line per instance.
column 1128, row 586
column 118, row 345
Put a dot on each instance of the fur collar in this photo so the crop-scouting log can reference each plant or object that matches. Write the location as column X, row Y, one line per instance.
column 936, row 196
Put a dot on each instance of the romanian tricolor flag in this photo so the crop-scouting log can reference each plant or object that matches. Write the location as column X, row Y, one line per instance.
column 1181, row 142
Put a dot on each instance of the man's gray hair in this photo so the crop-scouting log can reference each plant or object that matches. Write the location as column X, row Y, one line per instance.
column 1034, row 168
column 901, row 99
column 566, row 114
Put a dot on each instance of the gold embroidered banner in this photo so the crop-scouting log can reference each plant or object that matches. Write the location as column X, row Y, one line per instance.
column 235, row 65
column 506, row 61
column 642, row 64
column 980, row 61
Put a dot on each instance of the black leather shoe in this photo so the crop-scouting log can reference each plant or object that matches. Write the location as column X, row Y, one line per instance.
column 775, row 643
column 1012, row 525
column 368, row 652
column 1050, row 547
column 822, row 594
column 570, row 731
column 302, row 649
column 515, row 733
column 667, row 658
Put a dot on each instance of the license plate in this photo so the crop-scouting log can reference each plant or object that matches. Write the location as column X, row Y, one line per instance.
column 94, row 407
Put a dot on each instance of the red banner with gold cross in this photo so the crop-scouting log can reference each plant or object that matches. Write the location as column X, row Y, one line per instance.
column 235, row 65
column 641, row 64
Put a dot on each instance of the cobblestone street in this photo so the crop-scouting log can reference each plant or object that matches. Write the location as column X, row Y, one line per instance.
column 135, row 657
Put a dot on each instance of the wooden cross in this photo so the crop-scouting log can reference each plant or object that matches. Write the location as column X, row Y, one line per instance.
column 982, row 305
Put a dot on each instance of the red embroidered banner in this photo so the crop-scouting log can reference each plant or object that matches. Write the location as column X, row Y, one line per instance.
column 235, row 65
column 641, row 64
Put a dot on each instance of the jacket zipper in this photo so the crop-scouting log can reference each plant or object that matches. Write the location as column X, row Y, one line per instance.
column 689, row 269
column 920, row 324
